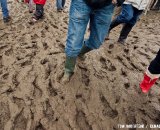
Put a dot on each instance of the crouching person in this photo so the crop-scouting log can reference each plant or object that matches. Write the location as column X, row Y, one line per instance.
column 151, row 75
column 99, row 14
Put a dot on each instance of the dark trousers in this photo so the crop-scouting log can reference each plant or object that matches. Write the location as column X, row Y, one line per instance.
column 129, row 16
column 39, row 11
column 154, row 66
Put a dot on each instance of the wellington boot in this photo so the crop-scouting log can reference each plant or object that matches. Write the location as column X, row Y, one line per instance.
column 147, row 83
column 124, row 33
column 69, row 69
column 83, row 51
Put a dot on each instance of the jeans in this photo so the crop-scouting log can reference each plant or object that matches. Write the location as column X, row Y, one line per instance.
column 4, row 8
column 80, row 15
column 129, row 15
column 154, row 67
column 60, row 4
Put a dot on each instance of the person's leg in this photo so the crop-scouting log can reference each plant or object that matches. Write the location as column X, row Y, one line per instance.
column 154, row 66
column 151, row 75
column 124, row 33
column 59, row 4
column 30, row 6
column 127, row 27
column 5, row 10
column 125, row 16
column 99, row 26
column 63, row 3
column 78, row 20
column 39, row 11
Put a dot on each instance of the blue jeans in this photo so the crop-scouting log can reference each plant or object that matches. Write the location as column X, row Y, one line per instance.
column 80, row 15
column 60, row 4
column 4, row 8
column 129, row 14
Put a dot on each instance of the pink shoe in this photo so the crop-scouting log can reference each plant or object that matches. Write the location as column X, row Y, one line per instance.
column 147, row 83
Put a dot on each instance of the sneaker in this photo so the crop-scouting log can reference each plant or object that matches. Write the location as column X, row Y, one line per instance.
column 7, row 19
column 147, row 83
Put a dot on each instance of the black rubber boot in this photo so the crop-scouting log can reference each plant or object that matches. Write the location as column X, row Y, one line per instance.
column 7, row 19
column 39, row 11
column 114, row 23
column 83, row 51
column 124, row 33
column 69, row 69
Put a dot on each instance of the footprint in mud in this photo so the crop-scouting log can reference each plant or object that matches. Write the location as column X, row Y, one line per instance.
column 106, row 64
column 44, row 61
column 45, row 45
column 9, row 52
column 15, row 79
column 5, row 76
column 111, row 46
column 5, row 114
column 62, row 47
column 20, row 27
column 126, row 85
column 43, row 35
column 123, row 72
column 82, row 121
column 3, row 46
column 85, row 75
column 19, row 101
column 34, row 37
column 131, row 120
column 37, row 92
column 25, row 62
column 107, row 111
column 52, row 91
column 126, row 51
column 54, row 26
column 135, row 47
column 144, row 54
column 1, row 63
column 20, row 122
column 48, row 111
column 40, row 127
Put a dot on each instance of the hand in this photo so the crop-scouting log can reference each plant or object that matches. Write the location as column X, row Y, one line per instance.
column 114, row 2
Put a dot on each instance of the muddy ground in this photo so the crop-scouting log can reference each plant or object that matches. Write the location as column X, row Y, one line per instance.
column 104, row 91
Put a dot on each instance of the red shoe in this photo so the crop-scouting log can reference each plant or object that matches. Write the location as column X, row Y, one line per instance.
column 147, row 83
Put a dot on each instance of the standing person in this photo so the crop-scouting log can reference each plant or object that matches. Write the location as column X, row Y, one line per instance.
column 151, row 75
column 131, row 10
column 99, row 13
column 60, row 5
column 5, row 12
column 39, row 12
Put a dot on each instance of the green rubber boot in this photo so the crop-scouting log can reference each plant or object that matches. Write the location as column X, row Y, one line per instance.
column 83, row 51
column 69, row 69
